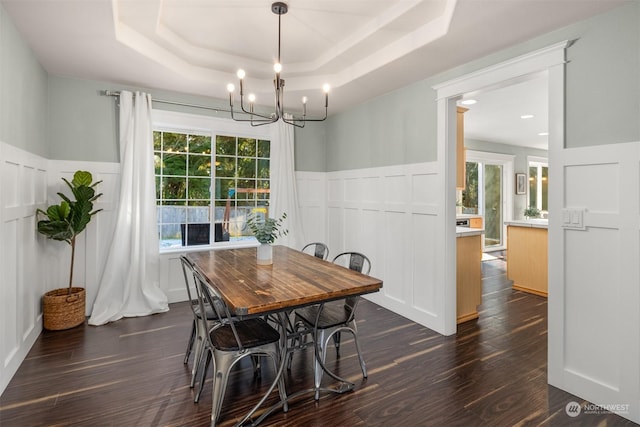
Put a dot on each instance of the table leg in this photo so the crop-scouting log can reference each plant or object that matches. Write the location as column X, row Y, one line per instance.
column 283, row 318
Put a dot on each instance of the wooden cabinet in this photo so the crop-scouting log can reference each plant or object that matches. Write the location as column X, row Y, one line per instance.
column 468, row 277
column 527, row 259
column 460, row 150
column 475, row 222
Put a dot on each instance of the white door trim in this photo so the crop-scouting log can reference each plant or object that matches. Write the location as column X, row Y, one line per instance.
column 551, row 59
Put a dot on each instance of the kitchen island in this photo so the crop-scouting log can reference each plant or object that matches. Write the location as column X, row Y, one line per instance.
column 468, row 273
column 527, row 255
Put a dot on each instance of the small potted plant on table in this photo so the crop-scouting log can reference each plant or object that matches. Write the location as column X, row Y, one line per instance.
column 64, row 308
column 266, row 231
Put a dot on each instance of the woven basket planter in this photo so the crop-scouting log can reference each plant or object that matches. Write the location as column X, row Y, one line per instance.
column 63, row 310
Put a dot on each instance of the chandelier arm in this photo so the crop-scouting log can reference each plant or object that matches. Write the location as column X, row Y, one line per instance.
column 279, row 8
column 261, row 122
column 251, row 112
column 293, row 122
column 251, row 119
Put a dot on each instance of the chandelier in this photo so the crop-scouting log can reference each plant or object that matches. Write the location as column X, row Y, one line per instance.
column 257, row 119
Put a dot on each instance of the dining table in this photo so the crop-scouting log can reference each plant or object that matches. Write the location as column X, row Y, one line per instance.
column 294, row 280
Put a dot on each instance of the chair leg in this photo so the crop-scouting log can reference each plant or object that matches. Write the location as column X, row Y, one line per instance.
column 222, row 364
column 320, row 354
column 336, row 341
column 203, row 376
column 190, row 343
column 197, row 358
column 257, row 368
column 360, row 357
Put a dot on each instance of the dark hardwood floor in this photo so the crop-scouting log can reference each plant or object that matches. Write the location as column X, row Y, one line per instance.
column 130, row 373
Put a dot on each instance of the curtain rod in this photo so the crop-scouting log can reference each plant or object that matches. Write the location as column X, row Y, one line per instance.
column 163, row 101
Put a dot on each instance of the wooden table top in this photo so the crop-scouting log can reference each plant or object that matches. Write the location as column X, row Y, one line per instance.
column 294, row 280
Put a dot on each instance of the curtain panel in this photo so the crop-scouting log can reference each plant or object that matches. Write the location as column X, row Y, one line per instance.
column 284, row 195
column 129, row 286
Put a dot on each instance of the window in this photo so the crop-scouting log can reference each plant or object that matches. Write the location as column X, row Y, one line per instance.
column 207, row 183
column 488, row 194
column 538, row 184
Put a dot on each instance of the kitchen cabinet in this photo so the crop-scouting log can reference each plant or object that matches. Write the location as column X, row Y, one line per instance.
column 468, row 274
column 527, row 256
column 460, row 150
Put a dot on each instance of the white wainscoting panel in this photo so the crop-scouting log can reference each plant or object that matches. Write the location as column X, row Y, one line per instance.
column 391, row 215
column 594, row 283
column 23, row 190
column 32, row 264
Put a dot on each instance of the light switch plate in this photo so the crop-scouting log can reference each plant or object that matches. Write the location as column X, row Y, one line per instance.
column 573, row 218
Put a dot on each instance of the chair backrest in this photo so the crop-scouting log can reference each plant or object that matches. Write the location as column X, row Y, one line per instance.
column 358, row 262
column 208, row 295
column 187, row 271
column 354, row 261
column 320, row 250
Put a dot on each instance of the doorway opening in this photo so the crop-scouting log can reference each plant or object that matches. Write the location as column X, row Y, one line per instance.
column 549, row 60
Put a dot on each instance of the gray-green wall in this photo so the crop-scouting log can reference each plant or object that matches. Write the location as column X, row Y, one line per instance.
column 84, row 122
column 23, row 92
column 603, row 91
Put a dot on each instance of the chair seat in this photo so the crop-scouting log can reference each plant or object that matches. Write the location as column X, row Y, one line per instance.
column 333, row 314
column 252, row 333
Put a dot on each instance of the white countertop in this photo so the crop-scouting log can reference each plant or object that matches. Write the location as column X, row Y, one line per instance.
column 467, row 231
column 533, row 223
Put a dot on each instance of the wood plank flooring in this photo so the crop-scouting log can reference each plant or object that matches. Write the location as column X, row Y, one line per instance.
column 130, row 373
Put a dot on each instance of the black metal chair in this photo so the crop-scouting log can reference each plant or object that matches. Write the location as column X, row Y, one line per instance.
column 231, row 341
column 327, row 321
column 198, row 334
column 317, row 249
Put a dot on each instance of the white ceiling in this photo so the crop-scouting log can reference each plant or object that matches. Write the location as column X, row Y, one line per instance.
column 497, row 114
column 363, row 48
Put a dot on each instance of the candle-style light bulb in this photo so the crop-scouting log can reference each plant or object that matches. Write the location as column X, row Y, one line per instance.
column 230, row 88
column 304, row 99
column 277, row 67
column 240, row 74
column 252, row 98
column 326, row 88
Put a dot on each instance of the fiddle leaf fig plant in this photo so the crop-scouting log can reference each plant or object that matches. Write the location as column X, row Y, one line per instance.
column 267, row 230
column 70, row 217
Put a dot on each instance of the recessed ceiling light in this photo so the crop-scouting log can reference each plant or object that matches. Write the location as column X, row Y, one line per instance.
column 468, row 102
column 527, row 116
column 543, row 134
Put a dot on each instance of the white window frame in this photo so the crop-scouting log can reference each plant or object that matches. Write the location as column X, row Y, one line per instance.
column 172, row 121
column 507, row 163
column 539, row 163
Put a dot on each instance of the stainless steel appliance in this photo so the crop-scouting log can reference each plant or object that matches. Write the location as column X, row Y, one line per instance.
column 463, row 222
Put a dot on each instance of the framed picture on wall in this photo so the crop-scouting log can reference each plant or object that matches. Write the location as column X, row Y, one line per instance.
column 521, row 183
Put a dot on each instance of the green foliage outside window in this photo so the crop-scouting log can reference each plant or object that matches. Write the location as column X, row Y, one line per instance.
column 189, row 167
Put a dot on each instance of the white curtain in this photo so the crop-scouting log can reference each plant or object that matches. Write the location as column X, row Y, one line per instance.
column 130, row 282
column 284, row 196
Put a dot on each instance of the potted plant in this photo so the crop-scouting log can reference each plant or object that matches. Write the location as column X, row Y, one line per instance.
column 266, row 231
column 532, row 212
column 64, row 308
